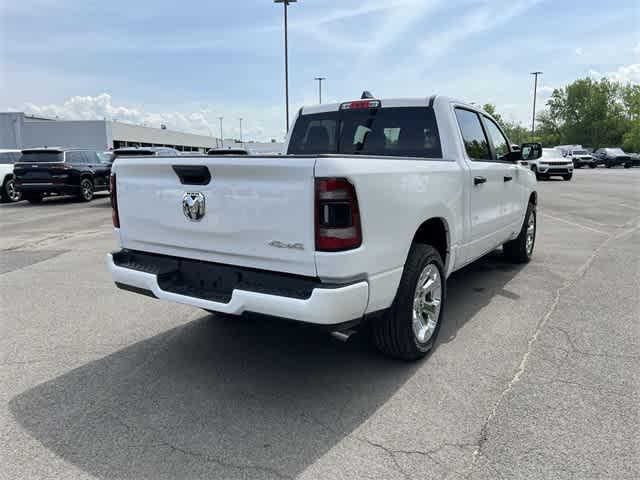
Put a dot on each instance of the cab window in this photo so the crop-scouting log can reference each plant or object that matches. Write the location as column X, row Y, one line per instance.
column 500, row 143
column 475, row 140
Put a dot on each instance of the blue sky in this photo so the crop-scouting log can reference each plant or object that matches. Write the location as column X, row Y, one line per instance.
column 186, row 63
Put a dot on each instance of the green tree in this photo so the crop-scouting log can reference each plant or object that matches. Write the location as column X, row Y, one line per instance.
column 589, row 112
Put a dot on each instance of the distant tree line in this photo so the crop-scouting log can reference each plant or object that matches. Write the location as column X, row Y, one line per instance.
column 588, row 112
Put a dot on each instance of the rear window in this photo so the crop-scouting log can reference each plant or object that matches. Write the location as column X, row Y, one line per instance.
column 41, row 157
column 580, row 152
column 394, row 131
column 133, row 153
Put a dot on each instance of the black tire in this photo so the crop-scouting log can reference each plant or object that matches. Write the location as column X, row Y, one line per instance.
column 516, row 250
column 9, row 194
column 566, row 178
column 592, row 165
column 627, row 165
column 393, row 332
column 86, row 190
column 608, row 165
column 33, row 197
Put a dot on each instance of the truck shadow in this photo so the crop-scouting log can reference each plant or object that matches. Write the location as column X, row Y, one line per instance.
column 228, row 398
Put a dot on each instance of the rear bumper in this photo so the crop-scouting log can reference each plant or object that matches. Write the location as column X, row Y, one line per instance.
column 47, row 188
column 324, row 306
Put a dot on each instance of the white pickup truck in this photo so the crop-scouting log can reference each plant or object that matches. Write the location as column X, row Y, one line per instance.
column 375, row 204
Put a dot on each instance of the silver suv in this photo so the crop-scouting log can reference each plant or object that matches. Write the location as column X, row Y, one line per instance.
column 552, row 163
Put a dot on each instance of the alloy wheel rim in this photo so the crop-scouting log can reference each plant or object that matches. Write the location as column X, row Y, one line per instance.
column 14, row 195
column 426, row 303
column 531, row 232
column 86, row 189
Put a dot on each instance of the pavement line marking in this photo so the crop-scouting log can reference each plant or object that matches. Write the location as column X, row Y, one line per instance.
column 574, row 224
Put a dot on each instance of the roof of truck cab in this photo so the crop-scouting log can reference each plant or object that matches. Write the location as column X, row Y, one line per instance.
column 391, row 102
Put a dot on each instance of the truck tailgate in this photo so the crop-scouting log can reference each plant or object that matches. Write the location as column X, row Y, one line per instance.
column 259, row 211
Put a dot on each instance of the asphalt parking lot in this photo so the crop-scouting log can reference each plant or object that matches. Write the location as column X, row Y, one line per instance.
column 536, row 373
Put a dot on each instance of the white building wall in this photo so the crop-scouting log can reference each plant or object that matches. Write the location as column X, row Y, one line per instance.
column 90, row 134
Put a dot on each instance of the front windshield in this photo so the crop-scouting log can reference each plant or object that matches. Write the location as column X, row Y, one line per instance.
column 580, row 152
column 551, row 153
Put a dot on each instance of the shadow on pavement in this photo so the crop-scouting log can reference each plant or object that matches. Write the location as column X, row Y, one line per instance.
column 229, row 398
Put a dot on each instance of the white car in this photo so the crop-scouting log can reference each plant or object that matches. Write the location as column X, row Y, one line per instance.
column 8, row 192
column 552, row 163
column 580, row 158
column 376, row 203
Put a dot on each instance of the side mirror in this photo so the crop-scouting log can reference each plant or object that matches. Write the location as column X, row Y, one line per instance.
column 530, row 151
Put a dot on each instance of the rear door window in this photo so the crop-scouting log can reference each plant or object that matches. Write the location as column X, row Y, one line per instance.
column 475, row 140
column 75, row 157
column 394, row 131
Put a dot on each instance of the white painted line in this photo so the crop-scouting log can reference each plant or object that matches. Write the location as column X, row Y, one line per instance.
column 574, row 224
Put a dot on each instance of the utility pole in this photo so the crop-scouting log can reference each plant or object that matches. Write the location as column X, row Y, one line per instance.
column 320, row 79
column 221, row 136
column 240, row 130
column 535, row 93
column 286, row 57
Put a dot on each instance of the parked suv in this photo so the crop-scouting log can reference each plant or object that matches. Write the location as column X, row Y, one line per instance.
column 8, row 192
column 612, row 157
column 551, row 163
column 46, row 171
column 581, row 158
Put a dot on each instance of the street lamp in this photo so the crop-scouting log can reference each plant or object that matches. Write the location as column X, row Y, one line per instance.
column 240, row 130
column 221, row 136
column 286, row 56
column 535, row 92
column 320, row 79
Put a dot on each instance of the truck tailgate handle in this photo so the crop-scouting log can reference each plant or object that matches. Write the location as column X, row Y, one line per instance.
column 508, row 179
column 479, row 180
column 193, row 174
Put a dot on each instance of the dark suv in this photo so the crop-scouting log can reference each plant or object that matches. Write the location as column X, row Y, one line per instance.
column 46, row 171
column 611, row 157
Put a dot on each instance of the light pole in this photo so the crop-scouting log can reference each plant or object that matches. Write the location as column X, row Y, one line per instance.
column 221, row 136
column 320, row 79
column 286, row 56
column 240, row 130
column 535, row 92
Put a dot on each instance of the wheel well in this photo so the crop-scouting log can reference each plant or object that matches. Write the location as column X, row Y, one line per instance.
column 434, row 232
column 533, row 198
column 86, row 175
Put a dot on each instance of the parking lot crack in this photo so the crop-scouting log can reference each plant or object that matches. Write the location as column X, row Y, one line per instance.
column 204, row 457
column 542, row 323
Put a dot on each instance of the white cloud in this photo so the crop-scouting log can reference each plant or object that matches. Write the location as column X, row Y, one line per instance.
column 624, row 74
column 258, row 125
column 579, row 51
column 484, row 18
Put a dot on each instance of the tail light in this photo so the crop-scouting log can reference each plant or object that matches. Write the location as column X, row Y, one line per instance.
column 114, row 201
column 62, row 166
column 337, row 215
column 360, row 104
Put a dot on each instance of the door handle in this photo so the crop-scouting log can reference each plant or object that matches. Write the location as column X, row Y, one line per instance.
column 479, row 180
column 508, row 179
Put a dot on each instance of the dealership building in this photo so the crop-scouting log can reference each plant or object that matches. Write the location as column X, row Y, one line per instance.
column 19, row 130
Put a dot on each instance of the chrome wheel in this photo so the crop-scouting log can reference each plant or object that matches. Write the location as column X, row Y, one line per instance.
column 86, row 190
column 531, row 232
column 13, row 194
column 426, row 303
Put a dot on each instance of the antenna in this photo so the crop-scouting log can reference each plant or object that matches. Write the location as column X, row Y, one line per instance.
column 366, row 94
